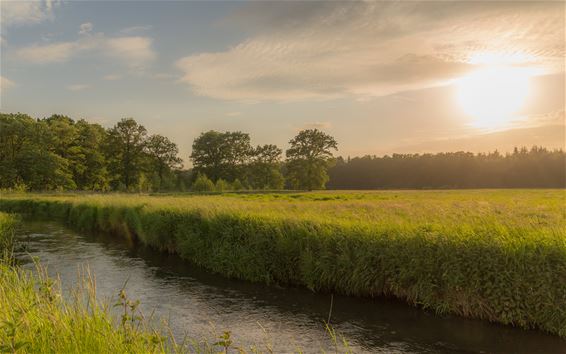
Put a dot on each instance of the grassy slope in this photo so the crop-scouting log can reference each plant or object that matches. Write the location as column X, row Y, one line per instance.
column 496, row 255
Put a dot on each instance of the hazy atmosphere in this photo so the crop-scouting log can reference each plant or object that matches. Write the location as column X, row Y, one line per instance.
column 381, row 77
column 282, row 177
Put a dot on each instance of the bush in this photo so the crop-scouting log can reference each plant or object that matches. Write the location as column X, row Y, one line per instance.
column 222, row 185
column 237, row 185
column 202, row 184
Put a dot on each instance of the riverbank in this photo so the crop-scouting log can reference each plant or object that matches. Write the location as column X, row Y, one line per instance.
column 35, row 317
column 493, row 255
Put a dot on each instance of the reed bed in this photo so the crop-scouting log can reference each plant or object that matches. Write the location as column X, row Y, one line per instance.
column 497, row 255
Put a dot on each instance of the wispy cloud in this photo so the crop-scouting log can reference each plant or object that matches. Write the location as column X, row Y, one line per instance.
column 77, row 87
column 233, row 114
column 48, row 53
column 368, row 49
column 136, row 52
column 17, row 13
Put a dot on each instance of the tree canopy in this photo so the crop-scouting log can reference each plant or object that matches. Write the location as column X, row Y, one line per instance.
column 308, row 159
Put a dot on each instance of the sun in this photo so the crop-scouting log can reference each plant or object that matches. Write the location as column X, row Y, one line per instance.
column 493, row 96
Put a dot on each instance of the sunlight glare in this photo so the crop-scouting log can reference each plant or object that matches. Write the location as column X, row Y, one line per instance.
column 493, row 96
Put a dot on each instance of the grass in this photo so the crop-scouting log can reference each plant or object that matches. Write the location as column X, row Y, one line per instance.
column 36, row 316
column 498, row 255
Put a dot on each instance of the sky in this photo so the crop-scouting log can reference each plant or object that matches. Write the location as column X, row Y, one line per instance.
column 381, row 77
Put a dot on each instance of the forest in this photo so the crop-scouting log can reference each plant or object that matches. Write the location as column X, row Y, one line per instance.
column 60, row 153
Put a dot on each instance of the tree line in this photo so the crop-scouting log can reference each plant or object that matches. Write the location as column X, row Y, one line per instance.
column 536, row 167
column 59, row 153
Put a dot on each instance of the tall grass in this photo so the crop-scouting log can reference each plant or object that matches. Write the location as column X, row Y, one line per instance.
column 36, row 316
column 7, row 226
column 494, row 255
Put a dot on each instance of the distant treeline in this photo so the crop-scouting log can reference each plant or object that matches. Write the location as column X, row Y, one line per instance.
column 59, row 153
column 523, row 168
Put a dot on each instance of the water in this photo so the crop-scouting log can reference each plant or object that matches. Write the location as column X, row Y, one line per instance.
column 200, row 304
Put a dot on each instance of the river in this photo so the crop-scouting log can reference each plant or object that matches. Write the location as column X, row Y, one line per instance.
column 200, row 304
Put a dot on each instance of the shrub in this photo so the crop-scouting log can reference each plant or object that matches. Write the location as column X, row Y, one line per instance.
column 202, row 184
column 222, row 185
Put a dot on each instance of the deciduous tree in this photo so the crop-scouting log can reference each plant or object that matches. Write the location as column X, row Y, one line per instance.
column 308, row 159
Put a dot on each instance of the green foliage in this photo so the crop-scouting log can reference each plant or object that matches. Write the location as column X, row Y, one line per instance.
column 237, row 185
column 35, row 318
column 126, row 144
column 7, row 227
column 202, row 184
column 90, row 164
column 222, row 186
column 493, row 255
column 308, row 159
column 221, row 155
column 58, row 153
column 264, row 171
column 163, row 153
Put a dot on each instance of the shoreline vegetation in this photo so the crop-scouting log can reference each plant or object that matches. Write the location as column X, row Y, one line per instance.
column 496, row 255
column 36, row 316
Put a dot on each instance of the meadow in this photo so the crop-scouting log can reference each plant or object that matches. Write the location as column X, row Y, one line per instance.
column 497, row 255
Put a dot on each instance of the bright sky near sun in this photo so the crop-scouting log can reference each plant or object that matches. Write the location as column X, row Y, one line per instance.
column 382, row 77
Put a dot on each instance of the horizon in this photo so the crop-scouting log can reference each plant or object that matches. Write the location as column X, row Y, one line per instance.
column 382, row 78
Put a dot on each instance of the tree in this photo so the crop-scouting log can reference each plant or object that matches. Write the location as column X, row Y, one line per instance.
column 309, row 158
column 202, row 184
column 221, row 185
column 126, row 143
column 237, row 185
column 221, row 155
column 90, row 165
column 163, row 153
column 16, row 132
column 264, row 169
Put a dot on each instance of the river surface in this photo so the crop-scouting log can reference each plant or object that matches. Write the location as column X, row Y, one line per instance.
column 199, row 304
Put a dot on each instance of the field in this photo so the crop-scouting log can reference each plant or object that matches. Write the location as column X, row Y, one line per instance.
column 498, row 255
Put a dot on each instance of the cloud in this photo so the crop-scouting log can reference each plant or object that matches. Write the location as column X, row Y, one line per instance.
column 47, row 53
column 77, row 87
column 85, row 28
column 136, row 52
column 17, row 13
column 368, row 49
column 5, row 83
column 233, row 114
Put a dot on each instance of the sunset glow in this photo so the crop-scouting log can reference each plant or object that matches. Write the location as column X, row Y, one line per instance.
column 493, row 96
